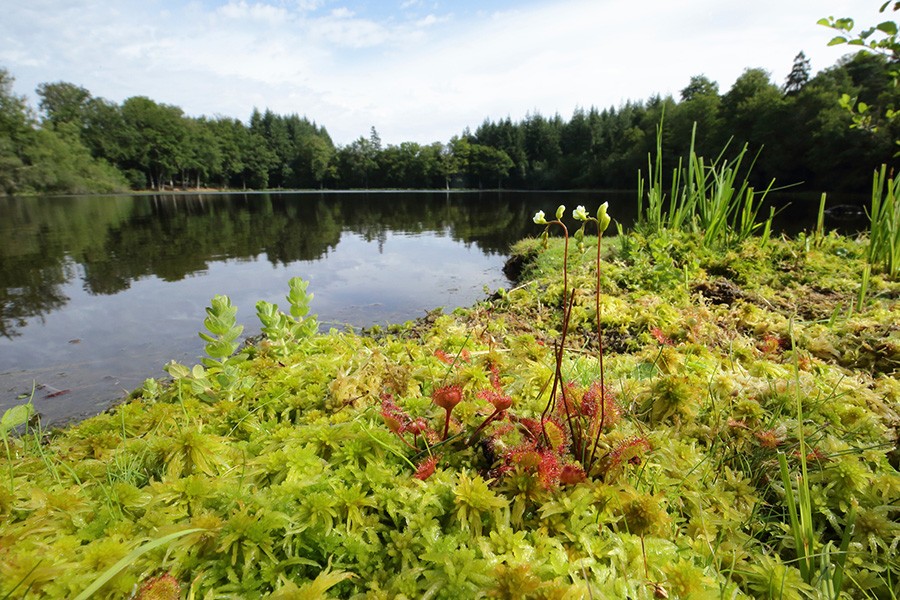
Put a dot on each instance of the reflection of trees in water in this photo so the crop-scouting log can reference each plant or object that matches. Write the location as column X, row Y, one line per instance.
column 37, row 293
column 41, row 240
column 491, row 221
column 120, row 239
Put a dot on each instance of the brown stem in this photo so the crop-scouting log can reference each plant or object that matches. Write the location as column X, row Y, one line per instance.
column 484, row 424
column 560, row 348
column 446, row 425
column 405, row 441
column 578, row 439
column 644, row 554
column 557, row 375
column 600, row 343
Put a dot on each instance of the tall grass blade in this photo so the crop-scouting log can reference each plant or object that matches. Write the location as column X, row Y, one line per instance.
column 884, row 223
column 861, row 297
column 838, row 576
column 707, row 197
column 131, row 557
column 820, row 222
column 21, row 581
column 800, row 507
column 796, row 527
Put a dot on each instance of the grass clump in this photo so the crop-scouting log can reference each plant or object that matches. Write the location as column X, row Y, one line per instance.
column 709, row 197
column 424, row 462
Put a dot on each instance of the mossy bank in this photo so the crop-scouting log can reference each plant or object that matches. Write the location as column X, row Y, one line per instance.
column 422, row 461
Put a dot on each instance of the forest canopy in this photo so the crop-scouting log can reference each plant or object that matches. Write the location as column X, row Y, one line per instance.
column 798, row 129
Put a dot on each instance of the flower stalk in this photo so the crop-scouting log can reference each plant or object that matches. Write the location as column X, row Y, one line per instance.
column 584, row 448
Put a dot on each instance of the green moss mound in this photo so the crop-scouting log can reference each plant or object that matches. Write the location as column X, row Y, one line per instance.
column 317, row 465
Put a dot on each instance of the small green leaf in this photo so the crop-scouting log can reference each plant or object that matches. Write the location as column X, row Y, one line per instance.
column 15, row 417
column 176, row 370
column 888, row 27
column 846, row 24
column 837, row 41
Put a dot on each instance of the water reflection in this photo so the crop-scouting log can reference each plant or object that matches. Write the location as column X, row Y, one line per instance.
column 99, row 292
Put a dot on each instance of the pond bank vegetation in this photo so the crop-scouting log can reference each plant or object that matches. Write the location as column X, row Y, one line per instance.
column 737, row 439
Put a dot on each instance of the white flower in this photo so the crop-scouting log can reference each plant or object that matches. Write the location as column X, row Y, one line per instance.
column 539, row 218
column 580, row 214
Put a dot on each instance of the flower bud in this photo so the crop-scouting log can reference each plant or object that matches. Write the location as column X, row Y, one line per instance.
column 603, row 219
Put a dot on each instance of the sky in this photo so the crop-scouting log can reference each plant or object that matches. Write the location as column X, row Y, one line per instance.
column 416, row 70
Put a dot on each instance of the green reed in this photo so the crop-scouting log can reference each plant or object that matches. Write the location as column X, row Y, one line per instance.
column 884, row 218
column 710, row 197
column 826, row 573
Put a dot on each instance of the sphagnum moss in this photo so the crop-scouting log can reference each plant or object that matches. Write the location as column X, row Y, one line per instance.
column 290, row 466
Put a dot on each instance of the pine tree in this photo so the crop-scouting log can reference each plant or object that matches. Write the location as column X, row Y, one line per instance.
column 799, row 75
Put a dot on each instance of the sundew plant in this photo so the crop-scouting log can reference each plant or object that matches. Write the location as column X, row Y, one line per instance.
column 655, row 417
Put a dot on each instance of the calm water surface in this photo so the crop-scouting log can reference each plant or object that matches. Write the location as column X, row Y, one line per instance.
column 98, row 293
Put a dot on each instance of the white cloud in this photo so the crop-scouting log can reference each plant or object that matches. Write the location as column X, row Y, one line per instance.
column 260, row 12
column 423, row 75
column 342, row 13
column 427, row 21
column 309, row 5
column 345, row 31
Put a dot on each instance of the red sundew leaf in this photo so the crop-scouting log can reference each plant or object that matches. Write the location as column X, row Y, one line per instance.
column 417, row 427
column 499, row 401
column 661, row 337
column 629, row 450
column 394, row 417
column 526, row 457
column 770, row 438
column 425, row 468
column 495, row 377
column 556, row 435
column 447, row 397
column 392, row 423
column 443, row 356
column 571, row 474
column 162, row 587
column 549, row 470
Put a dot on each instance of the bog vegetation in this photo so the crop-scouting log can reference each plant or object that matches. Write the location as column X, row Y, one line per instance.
column 684, row 411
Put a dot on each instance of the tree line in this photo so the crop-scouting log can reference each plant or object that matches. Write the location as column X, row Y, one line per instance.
column 81, row 143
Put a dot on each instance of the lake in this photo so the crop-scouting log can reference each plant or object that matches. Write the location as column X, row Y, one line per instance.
column 99, row 292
